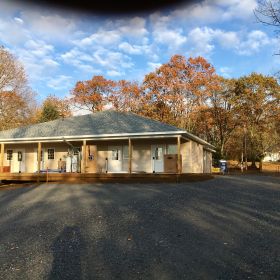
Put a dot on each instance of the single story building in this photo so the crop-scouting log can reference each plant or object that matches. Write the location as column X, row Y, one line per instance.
column 103, row 142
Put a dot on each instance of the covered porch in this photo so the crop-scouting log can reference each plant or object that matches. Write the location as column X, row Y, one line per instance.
column 120, row 155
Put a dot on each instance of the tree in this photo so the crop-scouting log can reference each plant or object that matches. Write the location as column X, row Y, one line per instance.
column 17, row 100
column 257, row 108
column 178, row 89
column 92, row 94
column 126, row 96
column 217, row 121
column 54, row 108
column 268, row 12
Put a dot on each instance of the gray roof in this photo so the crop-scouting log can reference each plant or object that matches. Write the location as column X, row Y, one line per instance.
column 106, row 122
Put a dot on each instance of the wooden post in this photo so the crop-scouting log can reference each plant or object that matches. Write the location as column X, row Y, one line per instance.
column 39, row 160
column 84, row 162
column 2, row 158
column 179, row 170
column 129, row 156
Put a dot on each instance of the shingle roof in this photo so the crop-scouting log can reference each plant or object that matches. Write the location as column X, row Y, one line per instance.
column 106, row 122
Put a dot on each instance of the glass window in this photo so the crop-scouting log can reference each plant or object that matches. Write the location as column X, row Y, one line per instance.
column 19, row 156
column 158, row 153
column 50, row 153
column 77, row 151
column 115, row 154
column 125, row 152
column 9, row 154
column 172, row 149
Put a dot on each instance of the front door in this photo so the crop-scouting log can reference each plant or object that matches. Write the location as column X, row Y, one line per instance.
column 18, row 164
column 157, row 157
column 114, row 159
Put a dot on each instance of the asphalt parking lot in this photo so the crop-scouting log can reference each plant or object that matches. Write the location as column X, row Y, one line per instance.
column 224, row 228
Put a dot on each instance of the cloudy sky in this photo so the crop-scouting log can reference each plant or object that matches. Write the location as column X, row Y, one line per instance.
column 59, row 48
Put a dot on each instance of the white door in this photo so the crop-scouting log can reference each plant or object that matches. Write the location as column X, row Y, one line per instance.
column 114, row 159
column 42, row 165
column 157, row 158
column 18, row 163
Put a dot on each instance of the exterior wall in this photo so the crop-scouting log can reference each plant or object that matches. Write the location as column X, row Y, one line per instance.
column 192, row 157
column 102, row 154
column 207, row 161
column 30, row 156
column 141, row 158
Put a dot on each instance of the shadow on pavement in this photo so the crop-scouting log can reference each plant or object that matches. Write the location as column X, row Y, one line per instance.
column 67, row 254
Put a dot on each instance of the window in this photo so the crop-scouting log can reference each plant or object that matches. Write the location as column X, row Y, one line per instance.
column 125, row 152
column 9, row 154
column 50, row 153
column 115, row 154
column 19, row 156
column 172, row 149
column 158, row 153
column 76, row 151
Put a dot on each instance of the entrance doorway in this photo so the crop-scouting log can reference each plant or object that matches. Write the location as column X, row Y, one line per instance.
column 114, row 159
column 18, row 162
column 158, row 152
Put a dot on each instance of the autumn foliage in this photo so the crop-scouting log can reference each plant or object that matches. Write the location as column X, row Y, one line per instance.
column 238, row 116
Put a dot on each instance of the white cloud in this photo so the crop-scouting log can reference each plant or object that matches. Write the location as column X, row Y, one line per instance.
column 134, row 49
column 225, row 71
column 255, row 40
column 153, row 66
column 102, row 37
column 49, row 25
column 18, row 20
column 172, row 38
column 204, row 41
column 60, row 82
column 134, row 27
column 201, row 41
column 216, row 11
column 114, row 73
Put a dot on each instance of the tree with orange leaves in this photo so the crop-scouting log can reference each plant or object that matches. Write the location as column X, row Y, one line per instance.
column 126, row 96
column 17, row 100
column 92, row 95
column 178, row 89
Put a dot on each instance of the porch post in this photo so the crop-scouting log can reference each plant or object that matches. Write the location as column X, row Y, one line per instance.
column 179, row 168
column 2, row 157
column 129, row 156
column 39, row 156
column 39, row 150
column 84, row 159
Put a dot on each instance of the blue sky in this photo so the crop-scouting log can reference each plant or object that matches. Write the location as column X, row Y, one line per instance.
column 58, row 48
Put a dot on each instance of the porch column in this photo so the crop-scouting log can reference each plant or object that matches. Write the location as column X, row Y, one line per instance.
column 179, row 171
column 39, row 150
column 84, row 159
column 129, row 156
column 39, row 156
column 2, row 157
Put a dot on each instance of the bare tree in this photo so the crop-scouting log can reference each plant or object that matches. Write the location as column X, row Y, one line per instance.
column 268, row 12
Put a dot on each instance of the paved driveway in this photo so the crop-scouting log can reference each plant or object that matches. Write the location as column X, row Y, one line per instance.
column 224, row 228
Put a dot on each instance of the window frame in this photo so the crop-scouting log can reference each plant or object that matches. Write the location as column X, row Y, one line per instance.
column 9, row 154
column 49, row 153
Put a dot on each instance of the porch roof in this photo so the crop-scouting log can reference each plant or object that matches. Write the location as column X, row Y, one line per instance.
column 106, row 124
column 101, row 123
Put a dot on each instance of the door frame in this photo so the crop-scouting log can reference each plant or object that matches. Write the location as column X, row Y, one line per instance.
column 119, row 155
column 153, row 161
column 16, row 165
